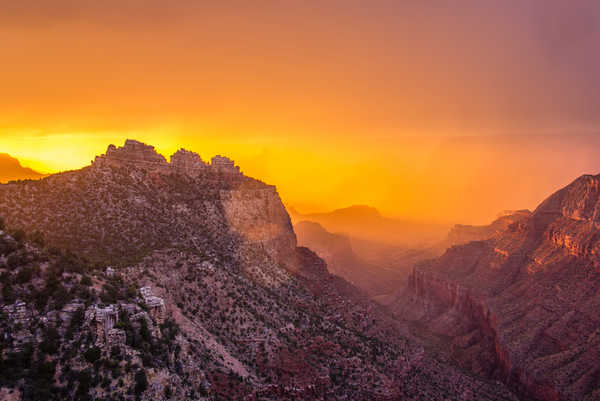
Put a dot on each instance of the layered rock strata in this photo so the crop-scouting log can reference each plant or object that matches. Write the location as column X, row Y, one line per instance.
column 524, row 305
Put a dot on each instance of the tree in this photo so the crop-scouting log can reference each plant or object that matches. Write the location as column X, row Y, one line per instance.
column 92, row 354
column 141, row 382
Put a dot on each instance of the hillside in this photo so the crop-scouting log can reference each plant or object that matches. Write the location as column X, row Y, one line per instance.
column 182, row 281
column 11, row 169
column 523, row 305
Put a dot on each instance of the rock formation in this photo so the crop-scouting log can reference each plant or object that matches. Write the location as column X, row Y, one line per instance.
column 523, row 305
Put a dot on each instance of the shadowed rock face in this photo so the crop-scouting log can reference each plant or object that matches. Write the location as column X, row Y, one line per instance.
column 523, row 305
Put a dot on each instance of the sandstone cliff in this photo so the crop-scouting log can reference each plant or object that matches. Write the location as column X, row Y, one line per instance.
column 523, row 305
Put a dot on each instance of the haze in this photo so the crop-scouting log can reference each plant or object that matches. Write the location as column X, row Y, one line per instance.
column 441, row 112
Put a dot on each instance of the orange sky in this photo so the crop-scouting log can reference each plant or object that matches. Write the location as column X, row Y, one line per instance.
column 335, row 102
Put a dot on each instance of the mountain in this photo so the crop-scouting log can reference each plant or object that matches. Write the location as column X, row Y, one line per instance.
column 377, row 269
column 138, row 278
column 11, row 169
column 365, row 222
column 462, row 234
column 522, row 305
column 336, row 250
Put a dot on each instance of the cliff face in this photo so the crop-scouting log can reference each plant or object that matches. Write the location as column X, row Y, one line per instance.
column 523, row 305
column 259, row 216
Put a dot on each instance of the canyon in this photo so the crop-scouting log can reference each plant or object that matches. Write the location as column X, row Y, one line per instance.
column 519, row 300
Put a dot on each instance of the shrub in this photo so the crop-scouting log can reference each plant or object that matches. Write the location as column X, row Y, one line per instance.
column 77, row 318
column 86, row 280
column 141, row 382
column 24, row 275
column 93, row 354
column 51, row 341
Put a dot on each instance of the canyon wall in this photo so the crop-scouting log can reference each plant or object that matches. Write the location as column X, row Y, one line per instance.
column 522, row 306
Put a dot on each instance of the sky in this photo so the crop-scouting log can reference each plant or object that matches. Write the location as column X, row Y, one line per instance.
column 335, row 102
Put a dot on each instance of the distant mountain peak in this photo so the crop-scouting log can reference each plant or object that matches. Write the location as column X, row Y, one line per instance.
column 11, row 169
column 364, row 210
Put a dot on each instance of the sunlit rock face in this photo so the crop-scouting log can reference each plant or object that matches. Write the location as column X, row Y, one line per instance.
column 258, row 215
column 523, row 305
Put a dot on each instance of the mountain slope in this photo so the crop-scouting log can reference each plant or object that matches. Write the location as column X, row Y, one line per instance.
column 342, row 261
column 11, row 169
column 365, row 222
column 523, row 305
column 376, row 268
column 208, row 296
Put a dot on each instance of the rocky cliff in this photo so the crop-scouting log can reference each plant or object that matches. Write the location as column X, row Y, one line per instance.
column 523, row 305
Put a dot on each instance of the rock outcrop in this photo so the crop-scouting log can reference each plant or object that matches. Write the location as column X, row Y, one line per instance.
column 523, row 305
